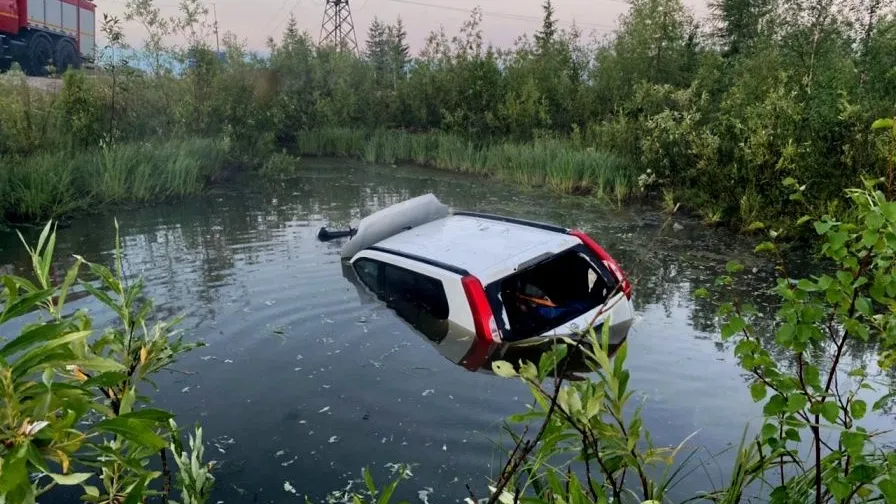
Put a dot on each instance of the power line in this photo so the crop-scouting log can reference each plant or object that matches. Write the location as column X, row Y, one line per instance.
column 277, row 13
column 504, row 15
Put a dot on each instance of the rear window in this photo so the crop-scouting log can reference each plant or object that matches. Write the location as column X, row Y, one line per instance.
column 551, row 293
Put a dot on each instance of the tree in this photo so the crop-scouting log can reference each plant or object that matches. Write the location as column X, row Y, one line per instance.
column 398, row 49
column 544, row 37
column 739, row 23
column 377, row 49
column 291, row 34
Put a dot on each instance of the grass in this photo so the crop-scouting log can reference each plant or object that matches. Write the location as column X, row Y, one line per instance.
column 555, row 164
column 50, row 185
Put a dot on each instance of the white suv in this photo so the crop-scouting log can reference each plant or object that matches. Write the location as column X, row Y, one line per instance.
column 477, row 285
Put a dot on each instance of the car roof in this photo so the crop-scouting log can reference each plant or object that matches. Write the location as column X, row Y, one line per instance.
column 484, row 246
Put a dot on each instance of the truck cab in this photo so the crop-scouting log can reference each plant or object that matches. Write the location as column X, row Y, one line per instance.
column 39, row 34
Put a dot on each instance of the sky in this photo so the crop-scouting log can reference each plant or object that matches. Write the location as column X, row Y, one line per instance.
column 503, row 20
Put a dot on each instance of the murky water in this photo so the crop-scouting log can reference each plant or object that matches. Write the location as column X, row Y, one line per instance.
column 300, row 382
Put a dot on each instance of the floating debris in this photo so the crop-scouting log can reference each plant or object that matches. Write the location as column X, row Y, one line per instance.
column 303, row 421
column 325, row 386
column 324, row 410
column 270, row 303
column 299, row 357
column 280, row 453
column 428, row 392
column 219, row 443
column 185, row 390
column 207, row 357
column 290, row 462
column 228, row 361
column 444, row 447
column 333, row 439
column 423, row 495
column 287, row 486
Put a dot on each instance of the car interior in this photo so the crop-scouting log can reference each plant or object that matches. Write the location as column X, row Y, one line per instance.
column 553, row 292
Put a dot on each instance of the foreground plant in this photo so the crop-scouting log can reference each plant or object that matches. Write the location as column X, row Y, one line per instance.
column 814, row 400
column 72, row 414
column 812, row 446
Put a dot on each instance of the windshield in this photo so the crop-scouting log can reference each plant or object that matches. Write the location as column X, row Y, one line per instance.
column 551, row 293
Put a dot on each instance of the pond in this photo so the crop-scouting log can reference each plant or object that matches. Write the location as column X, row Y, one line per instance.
column 300, row 382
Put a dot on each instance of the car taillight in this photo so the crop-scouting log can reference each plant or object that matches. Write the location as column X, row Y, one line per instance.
column 483, row 319
column 608, row 260
column 487, row 334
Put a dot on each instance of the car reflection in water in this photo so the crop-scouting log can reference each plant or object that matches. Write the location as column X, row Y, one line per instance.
column 440, row 334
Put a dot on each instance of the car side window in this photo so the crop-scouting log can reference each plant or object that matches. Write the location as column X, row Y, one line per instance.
column 408, row 287
column 369, row 271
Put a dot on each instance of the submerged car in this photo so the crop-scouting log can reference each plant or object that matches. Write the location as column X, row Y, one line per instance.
column 483, row 286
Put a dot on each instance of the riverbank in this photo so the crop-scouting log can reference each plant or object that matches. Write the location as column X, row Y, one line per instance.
column 57, row 184
column 42, row 186
column 556, row 164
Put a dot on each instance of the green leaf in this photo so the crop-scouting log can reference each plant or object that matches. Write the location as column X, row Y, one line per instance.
column 853, row 442
column 150, row 414
column 701, row 293
column 839, row 488
column 755, row 226
column 38, row 334
column 796, row 402
column 734, row 267
column 874, row 220
column 101, row 365
column 135, row 493
column 862, row 473
column 70, row 479
column 135, row 430
column 888, row 488
column 775, row 405
column 15, row 470
column 864, row 306
column 529, row 371
column 885, row 123
column 732, row 327
column 869, row 238
column 107, row 379
column 793, row 435
column 858, row 408
column 764, row 247
column 888, row 209
column 823, row 227
column 785, row 334
column 830, row 411
column 807, row 285
column 812, row 376
column 769, row 431
column 368, row 481
column 758, row 391
column 858, row 373
column 23, row 304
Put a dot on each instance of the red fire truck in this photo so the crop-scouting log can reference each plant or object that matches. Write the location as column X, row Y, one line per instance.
column 40, row 33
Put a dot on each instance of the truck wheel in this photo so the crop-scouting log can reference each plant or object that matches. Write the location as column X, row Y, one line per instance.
column 40, row 55
column 66, row 56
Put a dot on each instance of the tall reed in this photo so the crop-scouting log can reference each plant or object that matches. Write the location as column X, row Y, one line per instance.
column 559, row 165
column 49, row 185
